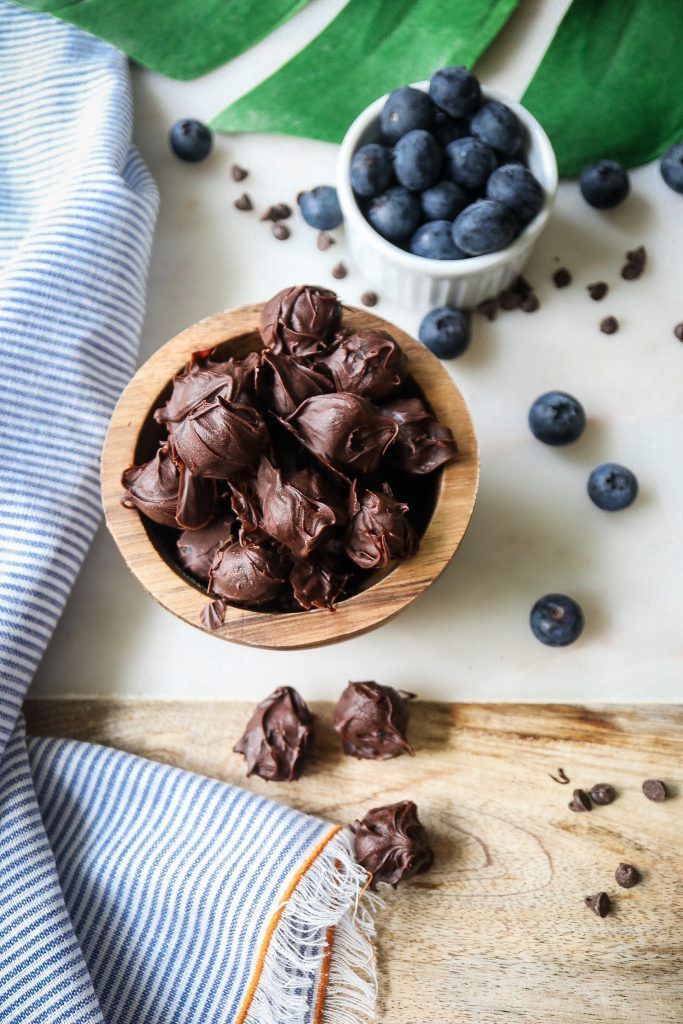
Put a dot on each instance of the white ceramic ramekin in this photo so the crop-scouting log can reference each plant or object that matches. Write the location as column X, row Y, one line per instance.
column 419, row 282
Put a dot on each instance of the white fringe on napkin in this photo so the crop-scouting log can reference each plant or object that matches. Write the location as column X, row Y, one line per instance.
column 333, row 894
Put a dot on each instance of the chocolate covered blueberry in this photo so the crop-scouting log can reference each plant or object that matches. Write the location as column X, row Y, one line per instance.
column 379, row 530
column 288, row 515
column 317, row 582
column 423, row 445
column 248, row 573
column 391, row 843
column 219, row 438
column 166, row 492
column 285, row 382
column 368, row 362
column 300, row 321
column 197, row 548
column 202, row 379
column 278, row 738
column 371, row 720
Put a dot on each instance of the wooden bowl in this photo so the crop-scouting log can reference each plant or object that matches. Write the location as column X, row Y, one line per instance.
column 132, row 438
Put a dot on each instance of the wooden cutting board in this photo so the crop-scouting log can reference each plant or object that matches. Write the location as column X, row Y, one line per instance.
column 497, row 931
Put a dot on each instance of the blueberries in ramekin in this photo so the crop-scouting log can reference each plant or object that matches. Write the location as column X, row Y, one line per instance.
column 671, row 167
column 320, row 208
column 604, row 184
column 447, row 157
column 445, row 331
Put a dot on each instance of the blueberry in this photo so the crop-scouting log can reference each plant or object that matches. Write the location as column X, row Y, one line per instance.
column 455, row 90
column 604, row 184
column 406, row 109
column 371, row 170
column 556, row 620
column 497, row 126
column 434, row 241
column 417, row 160
column 447, row 129
column 320, row 208
column 395, row 214
column 468, row 162
column 557, row 418
column 443, row 201
column 671, row 167
column 514, row 186
column 191, row 140
column 445, row 332
column 485, row 226
column 612, row 487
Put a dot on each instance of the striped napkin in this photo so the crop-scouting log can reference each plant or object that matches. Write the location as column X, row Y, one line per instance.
column 131, row 892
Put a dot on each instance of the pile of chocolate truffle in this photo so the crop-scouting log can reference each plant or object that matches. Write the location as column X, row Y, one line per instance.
column 390, row 842
column 295, row 471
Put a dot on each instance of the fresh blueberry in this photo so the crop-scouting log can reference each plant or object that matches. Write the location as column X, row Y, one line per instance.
column 485, row 226
column 445, row 332
column 497, row 126
column 191, row 140
column 604, row 184
column 443, row 201
column 371, row 170
column 447, row 129
column 557, row 418
column 320, row 208
column 612, row 487
column 556, row 620
column 455, row 90
column 406, row 109
column 395, row 214
column 514, row 186
column 434, row 241
column 468, row 162
column 417, row 160
column 671, row 167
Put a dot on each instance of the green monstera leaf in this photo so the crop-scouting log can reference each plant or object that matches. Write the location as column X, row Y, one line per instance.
column 372, row 46
column 610, row 82
column 179, row 38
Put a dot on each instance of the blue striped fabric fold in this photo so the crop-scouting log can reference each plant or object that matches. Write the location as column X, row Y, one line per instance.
column 131, row 892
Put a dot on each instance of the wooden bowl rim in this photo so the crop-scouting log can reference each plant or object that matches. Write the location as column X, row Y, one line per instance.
column 289, row 630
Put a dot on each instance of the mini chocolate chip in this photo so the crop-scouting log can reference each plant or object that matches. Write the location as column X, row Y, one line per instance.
column 238, row 173
column 610, row 325
column 678, row 331
column 631, row 271
column 627, row 876
column 244, row 202
column 562, row 277
column 529, row 303
column 580, row 801
column 561, row 777
column 278, row 211
column 339, row 271
column 489, row 309
column 602, row 794
column 597, row 290
column 654, row 789
column 325, row 240
column 280, row 231
column 599, row 904
column 638, row 255
column 522, row 286
column 369, row 298
column 509, row 299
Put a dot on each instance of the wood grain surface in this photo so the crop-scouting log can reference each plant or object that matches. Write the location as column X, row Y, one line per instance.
column 497, row 931
column 132, row 438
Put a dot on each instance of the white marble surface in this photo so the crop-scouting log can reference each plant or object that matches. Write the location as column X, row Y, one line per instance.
column 534, row 529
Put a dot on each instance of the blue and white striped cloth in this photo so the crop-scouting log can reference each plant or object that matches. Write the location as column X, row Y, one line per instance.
column 130, row 892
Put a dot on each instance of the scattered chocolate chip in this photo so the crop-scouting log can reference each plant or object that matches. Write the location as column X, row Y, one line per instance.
column 489, row 309
column 278, row 211
column 561, row 777
column 243, row 202
column 339, row 271
column 280, row 231
column 654, row 789
column 602, row 794
column 509, row 299
column 678, row 331
column 635, row 263
column 610, row 325
column 631, row 271
column 627, row 876
column 599, row 904
column 580, row 801
column 212, row 615
column 529, row 303
column 324, row 240
column 238, row 173
column 597, row 290
column 638, row 255
column 369, row 298
column 562, row 277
